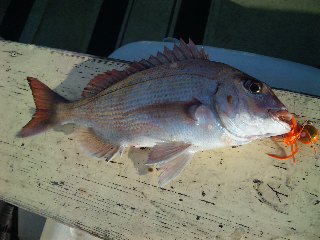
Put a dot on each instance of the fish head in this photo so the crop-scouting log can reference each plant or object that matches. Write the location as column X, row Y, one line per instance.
column 249, row 109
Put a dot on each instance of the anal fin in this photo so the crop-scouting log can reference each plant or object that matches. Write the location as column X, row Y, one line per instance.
column 95, row 145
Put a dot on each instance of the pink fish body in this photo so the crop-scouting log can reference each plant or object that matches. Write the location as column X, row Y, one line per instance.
column 178, row 103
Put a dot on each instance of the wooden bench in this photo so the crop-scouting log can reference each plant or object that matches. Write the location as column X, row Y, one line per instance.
column 232, row 193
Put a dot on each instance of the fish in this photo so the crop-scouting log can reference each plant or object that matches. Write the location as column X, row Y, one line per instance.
column 177, row 103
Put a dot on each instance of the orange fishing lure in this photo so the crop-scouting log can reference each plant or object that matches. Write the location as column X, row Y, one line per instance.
column 305, row 133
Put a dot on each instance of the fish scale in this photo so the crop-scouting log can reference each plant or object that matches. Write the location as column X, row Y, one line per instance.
column 105, row 112
column 178, row 90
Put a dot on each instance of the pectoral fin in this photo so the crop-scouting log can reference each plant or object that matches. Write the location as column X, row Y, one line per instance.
column 165, row 152
column 172, row 169
column 201, row 114
column 95, row 145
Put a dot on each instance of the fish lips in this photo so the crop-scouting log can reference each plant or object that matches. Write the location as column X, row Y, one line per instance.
column 282, row 116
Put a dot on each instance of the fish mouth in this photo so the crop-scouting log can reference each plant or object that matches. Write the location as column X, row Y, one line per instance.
column 283, row 117
column 280, row 115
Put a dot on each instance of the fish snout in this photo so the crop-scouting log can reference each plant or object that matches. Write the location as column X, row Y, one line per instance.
column 281, row 115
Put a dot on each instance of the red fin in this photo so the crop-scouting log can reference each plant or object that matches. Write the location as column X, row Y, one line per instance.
column 103, row 81
column 46, row 101
column 95, row 145
column 180, row 52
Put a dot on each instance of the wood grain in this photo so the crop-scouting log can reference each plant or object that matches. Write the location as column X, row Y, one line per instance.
column 233, row 193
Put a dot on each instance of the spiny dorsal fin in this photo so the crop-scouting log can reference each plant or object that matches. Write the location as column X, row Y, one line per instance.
column 179, row 53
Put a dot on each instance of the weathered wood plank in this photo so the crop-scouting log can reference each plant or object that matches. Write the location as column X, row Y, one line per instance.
column 235, row 192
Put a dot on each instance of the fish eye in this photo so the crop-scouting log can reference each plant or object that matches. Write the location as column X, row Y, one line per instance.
column 253, row 86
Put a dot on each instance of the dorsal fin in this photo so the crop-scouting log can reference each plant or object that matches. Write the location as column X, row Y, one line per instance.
column 180, row 52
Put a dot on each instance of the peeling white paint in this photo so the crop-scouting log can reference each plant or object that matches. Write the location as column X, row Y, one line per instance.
column 233, row 193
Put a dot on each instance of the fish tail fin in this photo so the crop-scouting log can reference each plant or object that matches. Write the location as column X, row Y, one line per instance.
column 46, row 102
